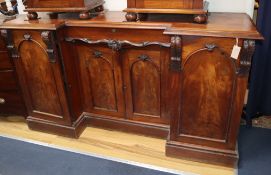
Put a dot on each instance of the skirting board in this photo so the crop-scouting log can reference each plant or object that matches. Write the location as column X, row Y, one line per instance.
column 74, row 131
column 194, row 153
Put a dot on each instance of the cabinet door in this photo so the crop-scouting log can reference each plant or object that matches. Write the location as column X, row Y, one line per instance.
column 144, row 76
column 39, row 72
column 101, row 80
column 211, row 94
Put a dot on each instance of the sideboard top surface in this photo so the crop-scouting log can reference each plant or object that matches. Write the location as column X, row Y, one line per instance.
column 234, row 25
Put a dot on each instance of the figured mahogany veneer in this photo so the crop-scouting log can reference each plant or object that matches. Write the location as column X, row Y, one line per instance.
column 147, row 77
column 58, row 6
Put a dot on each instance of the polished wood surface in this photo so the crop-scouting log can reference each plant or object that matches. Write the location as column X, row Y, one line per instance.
column 210, row 81
column 143, row 77
column 44, row 93
column 113, row 79
column 218, row 24
column 114, row 144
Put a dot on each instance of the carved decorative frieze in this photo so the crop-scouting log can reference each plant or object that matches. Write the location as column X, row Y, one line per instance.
column 116, row 45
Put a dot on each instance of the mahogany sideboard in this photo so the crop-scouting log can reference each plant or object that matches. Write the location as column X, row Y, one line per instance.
column 174, row 80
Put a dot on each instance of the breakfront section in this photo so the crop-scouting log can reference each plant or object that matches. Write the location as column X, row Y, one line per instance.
column 122, row 72
column 212, row 87
column 38, row 66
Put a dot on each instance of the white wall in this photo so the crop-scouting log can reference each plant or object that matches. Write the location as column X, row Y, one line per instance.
column 240, row 6
column 115, row 5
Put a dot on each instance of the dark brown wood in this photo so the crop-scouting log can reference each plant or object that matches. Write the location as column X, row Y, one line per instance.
column 11, row 102
column 40, row 77
column 54, row 128
column 143, row 77
column 153, row 130
column 144, row 74
column 131, row 17
column 176, row 53
column 58, row 6
column 5, row 63
column 104, row 94
column 193, row 153
column 246, row 56
column 49, row 39
column 211, row 84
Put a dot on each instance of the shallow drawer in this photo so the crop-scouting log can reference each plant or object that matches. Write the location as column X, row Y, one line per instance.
column 5, row 62
column 7, row 81
column 131, row 35
column 11, row 103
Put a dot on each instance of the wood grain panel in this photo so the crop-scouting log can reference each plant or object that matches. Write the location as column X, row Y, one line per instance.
column 101, row 75
column 145, row 79
column 100, row 80
column 207, row 91
column 143, row 82
column 40, row 79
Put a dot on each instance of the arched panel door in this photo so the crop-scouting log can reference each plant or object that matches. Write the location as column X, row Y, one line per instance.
column 207, row 91
column 101, row 80
column 40, row 77
column 144, row 77
column 211, row 90
column 208, row 85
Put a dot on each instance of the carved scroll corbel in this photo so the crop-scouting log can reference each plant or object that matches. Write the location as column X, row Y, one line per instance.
column 176, row 53
column 10, row 44
column 49, row 39
column 246, row 57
